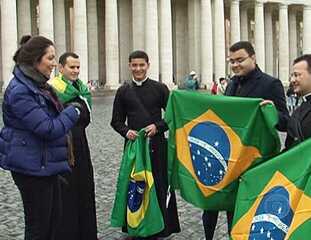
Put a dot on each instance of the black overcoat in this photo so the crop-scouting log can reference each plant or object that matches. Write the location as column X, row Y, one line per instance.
column 299, row 124
column 78, row 189
column 261, row 85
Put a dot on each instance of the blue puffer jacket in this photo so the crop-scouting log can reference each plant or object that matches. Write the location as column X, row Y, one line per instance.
column 33, row 140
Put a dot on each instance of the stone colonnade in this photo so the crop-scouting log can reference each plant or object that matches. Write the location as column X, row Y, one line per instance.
column 178, row 35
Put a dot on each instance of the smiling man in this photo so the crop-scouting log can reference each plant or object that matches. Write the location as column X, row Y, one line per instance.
column 78, row 194
column 138, row 105
column 249, row 81
column 299, row 124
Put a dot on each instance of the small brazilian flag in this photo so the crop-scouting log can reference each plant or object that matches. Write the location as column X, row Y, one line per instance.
column 274, row 198
column 212, row 141
column 136, row 205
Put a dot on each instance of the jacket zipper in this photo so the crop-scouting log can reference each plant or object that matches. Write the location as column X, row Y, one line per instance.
column 44, row 157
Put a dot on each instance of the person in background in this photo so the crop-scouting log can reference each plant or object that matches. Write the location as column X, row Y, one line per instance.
column 221, row 88
column 214, row 88
column 191, row 82
column 34, row 144
column 292, row 98
column 79, row 212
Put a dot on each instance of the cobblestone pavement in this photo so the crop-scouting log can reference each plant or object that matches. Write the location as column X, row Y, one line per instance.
column 106, row 149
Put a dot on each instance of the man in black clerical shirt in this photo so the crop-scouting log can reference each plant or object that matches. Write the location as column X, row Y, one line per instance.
column 139, row 104
column 249, row 81
column 299, row 125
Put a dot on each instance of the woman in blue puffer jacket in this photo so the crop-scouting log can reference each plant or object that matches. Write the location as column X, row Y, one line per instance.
column 35, row 142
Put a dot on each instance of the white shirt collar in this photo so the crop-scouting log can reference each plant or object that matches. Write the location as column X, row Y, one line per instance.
column 304, row 98
column 139, row 83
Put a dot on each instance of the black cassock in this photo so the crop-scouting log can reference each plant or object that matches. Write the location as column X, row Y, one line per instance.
column 299, row 124
column 136, row 107
column 78, row 191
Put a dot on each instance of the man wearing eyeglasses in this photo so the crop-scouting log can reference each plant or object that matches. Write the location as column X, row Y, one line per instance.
column 249, row 81
column 300, row 122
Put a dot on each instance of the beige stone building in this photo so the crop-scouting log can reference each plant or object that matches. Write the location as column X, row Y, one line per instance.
column 178, row 35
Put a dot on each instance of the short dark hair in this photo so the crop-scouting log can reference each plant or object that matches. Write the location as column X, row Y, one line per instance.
column 63, row 58
column 305, row 57
column 31, row 50
column 247, row 46
column 139, row 54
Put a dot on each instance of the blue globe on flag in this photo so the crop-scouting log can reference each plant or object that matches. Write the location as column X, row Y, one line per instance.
column 273, row 216
column 210, row 150
column 135, row 194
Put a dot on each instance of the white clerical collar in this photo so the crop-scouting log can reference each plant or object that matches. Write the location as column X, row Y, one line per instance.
column 139, row 83
column 305, row 97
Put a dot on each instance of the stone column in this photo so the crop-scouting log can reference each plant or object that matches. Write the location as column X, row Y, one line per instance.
column 299, row 33
column 283, row 44
column 80, row 39
column 275, row 28
column 34, row 20
column 152, row 38
column 260, row 35
column 206, row 43
column 293, row 43
column 126, row 38
column 166, row 43
column 112, row 44
column 46, row 24
column 23, row 18
column 59, row 27
column 181, row 44
column 92, row 33
column 244, row 24
column 197, row 36
column 191, row 36
column 194, row 36
column 235, row 33
column 219, row 40
column 101, row 42
column 269, row 40
column 69, row 25
column 8, row 39
column 138, row 24
column 306, row 29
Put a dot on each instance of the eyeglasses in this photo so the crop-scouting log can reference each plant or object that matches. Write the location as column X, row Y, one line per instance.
column 237, row 61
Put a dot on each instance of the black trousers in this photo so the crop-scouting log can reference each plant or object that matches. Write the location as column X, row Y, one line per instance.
column 210, row 220
column 42, row 205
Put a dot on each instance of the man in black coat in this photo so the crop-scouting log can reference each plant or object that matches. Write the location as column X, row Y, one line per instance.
column 249, row 81
column 78, row 191
column 139, row 104
column 299, row 125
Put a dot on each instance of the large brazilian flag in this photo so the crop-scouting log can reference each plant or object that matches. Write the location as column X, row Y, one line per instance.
column 274, row 198
column 212, row 141
column 136, row 205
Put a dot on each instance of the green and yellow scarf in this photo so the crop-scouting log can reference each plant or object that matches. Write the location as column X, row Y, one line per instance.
column 66, row 92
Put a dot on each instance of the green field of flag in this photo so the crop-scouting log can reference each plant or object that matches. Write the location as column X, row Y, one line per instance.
column 136, row 206
column 274, row 198
column 212, row 141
